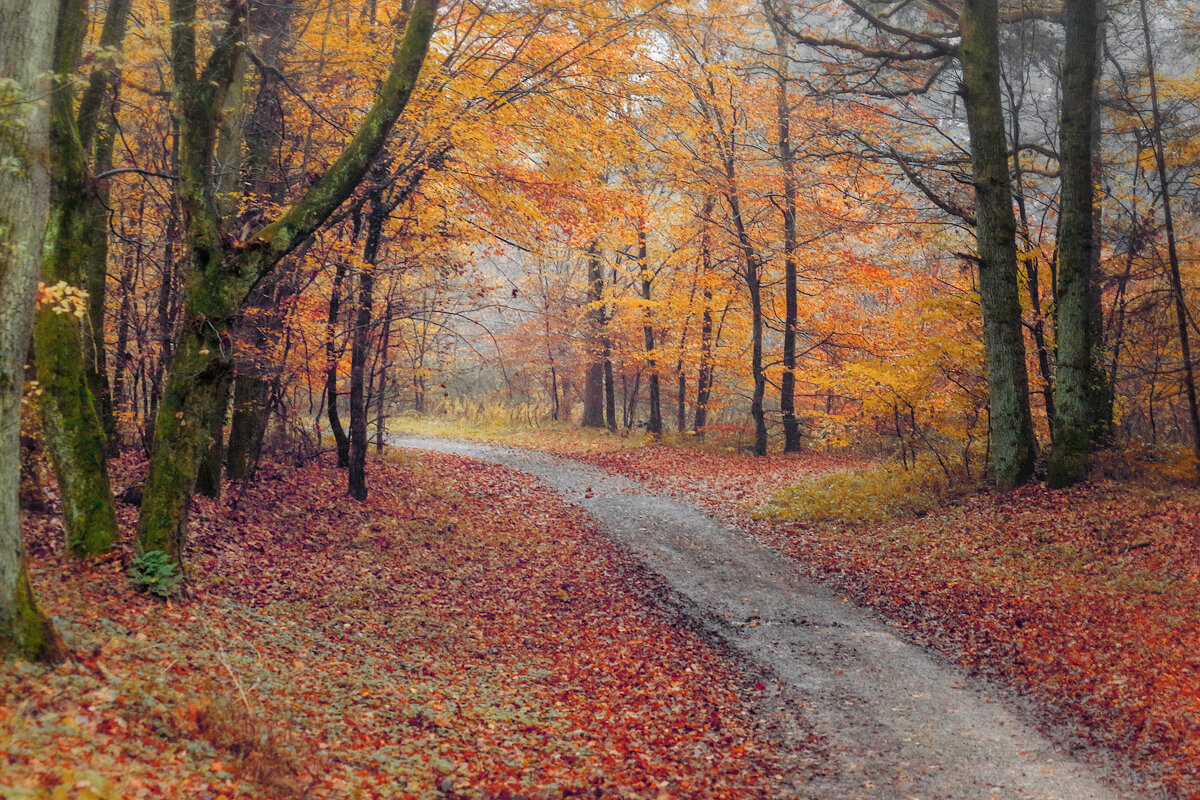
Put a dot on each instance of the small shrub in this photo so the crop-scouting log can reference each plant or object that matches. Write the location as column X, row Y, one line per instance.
column 1154, row 466
column 256, row 749
column 874, row 495
column 155, row 572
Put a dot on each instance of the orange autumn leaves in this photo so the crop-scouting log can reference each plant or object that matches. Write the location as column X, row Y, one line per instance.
column 467, row 633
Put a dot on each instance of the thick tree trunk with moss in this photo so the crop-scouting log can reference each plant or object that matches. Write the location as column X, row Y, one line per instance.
column 1013, row 444
column 76, row 238
column 1079, row 378
column 265, row 179
column 221, row 278
column 26, row 41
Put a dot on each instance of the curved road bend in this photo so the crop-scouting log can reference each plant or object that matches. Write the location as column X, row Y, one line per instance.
column 897, row 722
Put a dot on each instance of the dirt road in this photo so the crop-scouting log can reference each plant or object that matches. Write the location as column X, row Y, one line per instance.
column 894, row 720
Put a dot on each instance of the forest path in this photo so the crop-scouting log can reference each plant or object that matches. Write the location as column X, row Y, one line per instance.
column 896, row 721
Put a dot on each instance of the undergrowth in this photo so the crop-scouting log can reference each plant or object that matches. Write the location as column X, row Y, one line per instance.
column 875, row 495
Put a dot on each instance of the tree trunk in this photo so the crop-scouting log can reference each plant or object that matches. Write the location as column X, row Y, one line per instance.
column 783, row 109
column 1013, row 445
column 95, row 281
column 360, row 347
column 593, row 387
column 26, row 42
column 1078, row 375
column 208, row 477
column 1181, row 313
column 750, row 275
column 704, row 379
column 263, row 180
column 221, row 280
column 681, row 399
column 76, row 238
column 251, row 410
column 654, row 424
column 610, row 390
column 381, row 395
column 341, row 440
column 358, row 404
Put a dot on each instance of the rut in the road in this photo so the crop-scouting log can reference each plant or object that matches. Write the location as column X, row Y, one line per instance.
column 898, row 721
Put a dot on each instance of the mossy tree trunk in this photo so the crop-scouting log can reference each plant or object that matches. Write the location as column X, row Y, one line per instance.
column 26, row 43
column 1079, row 379
column 76, row 240
column 265, row 180
column 221, row 276
column 1013, row 445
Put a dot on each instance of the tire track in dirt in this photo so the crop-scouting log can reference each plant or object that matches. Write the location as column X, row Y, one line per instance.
column 897, row 721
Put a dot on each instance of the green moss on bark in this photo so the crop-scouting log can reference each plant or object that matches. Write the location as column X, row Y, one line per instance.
column 74, row 437
column 181, row 437
column 29, row 633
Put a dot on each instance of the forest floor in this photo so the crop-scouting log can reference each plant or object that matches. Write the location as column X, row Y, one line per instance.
column 464, row 633
column 468, row 633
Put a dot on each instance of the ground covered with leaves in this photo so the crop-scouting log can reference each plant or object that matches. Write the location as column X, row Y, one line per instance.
column 462, row 634
column 1086, row 601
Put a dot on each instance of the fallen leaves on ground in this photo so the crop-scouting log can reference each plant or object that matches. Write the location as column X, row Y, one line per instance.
column 1085, row 600
column 461, row 634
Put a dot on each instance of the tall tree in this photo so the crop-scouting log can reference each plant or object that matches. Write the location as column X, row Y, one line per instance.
column 1013, row 444
column 1079, row 379
column 223, row 273
column 1173, row 272
column 646, row 276
column 26, row 42
column 593, row 387
column 787, row 163
column 263, row 181
column 76, row 248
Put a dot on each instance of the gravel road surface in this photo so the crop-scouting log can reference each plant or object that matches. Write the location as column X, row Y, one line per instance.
column 893, row 720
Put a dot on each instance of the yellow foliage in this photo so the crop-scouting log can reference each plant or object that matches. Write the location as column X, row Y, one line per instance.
column 877, row 495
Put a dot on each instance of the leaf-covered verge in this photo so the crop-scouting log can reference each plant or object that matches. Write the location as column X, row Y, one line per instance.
column 1085, row 601
column 462, row 634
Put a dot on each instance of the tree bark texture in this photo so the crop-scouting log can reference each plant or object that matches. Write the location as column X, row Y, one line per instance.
column 1078, row 380
column 341, row 440
column 263, row 179
column 76, row 238
column 654, row 424
column 705, row 377
column 783, row 110
column 360, row 347
column 1013, row 446
column 26, row 42
column 593, row 386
